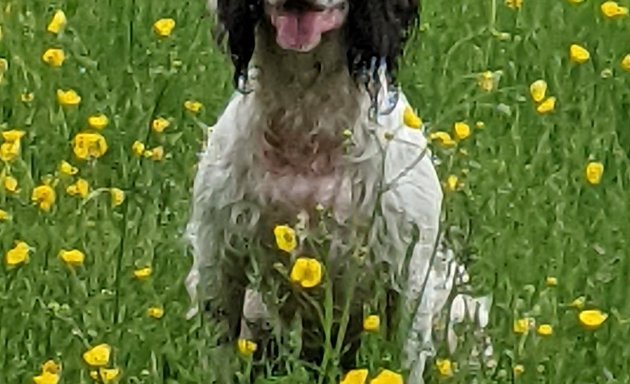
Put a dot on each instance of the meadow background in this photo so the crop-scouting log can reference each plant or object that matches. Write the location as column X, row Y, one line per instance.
column 523, row 203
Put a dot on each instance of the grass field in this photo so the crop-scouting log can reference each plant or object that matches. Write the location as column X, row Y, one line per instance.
column 523, row 200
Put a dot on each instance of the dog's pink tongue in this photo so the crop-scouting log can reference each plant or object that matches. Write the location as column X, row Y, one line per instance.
column 302, row 31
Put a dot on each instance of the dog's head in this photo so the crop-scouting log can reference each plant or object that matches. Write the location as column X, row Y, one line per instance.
column 374, row 31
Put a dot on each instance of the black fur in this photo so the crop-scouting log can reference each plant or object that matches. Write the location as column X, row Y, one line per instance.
column 375, row 30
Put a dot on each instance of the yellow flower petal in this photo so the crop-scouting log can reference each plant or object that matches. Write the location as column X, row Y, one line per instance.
column 159, row 125
column 108, row 375
column 538, row 90
column 356, row 376
column 514, row 4
column 57, row 23
column 118, row 196
column 10, row 184
column 67, row 169
column 44, row 196
column 193, row 106
column 98, row 356
column 246, row 347
column 551, row 281
column 99, row 121
column 4, row 215
column 137, row 148
column 87, row 145
column 594, row 172
column 518, row 370
column 461, row 130
column 13, row 135
column 307, row 272
column 579, row 54
column 285, row 238
column 443, row 139
column 164, row 27
column 372, row 323
column 612, row 10
column 625, row 63
column 444, row 367
column 69, row 98
column 143, row 273
column 17, row 255
column 46, row 378
column 155, row 312
column 54, row 57
column 547, row 106
column 73, row 258
column 387, row 377
column 545, row 330
column 592, row 319
column 51, row 367
column 411, row 119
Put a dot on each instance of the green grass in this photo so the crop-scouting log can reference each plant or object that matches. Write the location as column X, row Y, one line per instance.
column 525, row 207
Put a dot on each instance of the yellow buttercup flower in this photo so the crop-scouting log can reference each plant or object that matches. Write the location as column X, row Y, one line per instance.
column 487, row 81
column 522, row 326
column 592, row 319
column 118, row 196
column 444, row 367
column 443, row 139
column 612, row 10
column 54, row 57
column 10, row 184
column 81, row 188
column 387, row 377
column 67, row 169
column 98, row 356
column 578, row 303
column 356, row 376
column 143, row 273
column 108, row 375
column 285, row 238
column 411, row 119
column 461, row 130
column 193, row 106
column 246, row 348
column 44, row 196
column 4, row 215
column 372, row 323
column 514, row 4
column 46, row 378
column 99, row 121
column 57, row 23
column 51, row 366
column 155, row 312
column 538, row 90
column 9, row 151
column 452, row 183
column 17, row 255
column 89, row 145
column 137, row 148
column 551, row 281
column 27, row 97
column 625, row 63
column 594, row 172
column 545, row 330
column 518, row 370
column 164, row 27
column 306, row 272
column 578, row 54
column 69, row 98
column 155, row 154
column 159, row 125
column 13, row 135
column 547, row 106
column 73, row 258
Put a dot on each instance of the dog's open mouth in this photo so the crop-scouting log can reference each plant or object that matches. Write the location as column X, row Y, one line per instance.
column 301, row 28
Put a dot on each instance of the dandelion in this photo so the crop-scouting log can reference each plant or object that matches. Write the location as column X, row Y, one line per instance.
column 612, row 10
column 444, row 367
column 461, row 131
column 625, row 63
column 89, row 145
column 99, row 121
column 155, row 312
column 98, row 356
column 44, row 196
column 545, row 330
column 551, row 281
column 486, row 81
column 81, row 188
column 118, row 196
column 54, row 57
column 67, row 169
column 592, row 319
column 578, row 54
column 307, row 272
column 387, row 377
column 443, row 139
column 69, row 98
column 164, row 27
column 57, row 23
column 518, row 370
column 246, row 348
column 17, row 255
column 10, row 184
column 193, row 106
column 73, row 258
column 356, row 376
column 159, row 125
column 285, row 238
column 143, row 273
column 46, row 378
column 538, row 90
column 594, row 172
column 547, row 106
column 4, row 215
column 411, row 119
column 372, row 323
column 137, row 148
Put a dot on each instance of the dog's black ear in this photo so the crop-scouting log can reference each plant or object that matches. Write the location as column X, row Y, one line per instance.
column 237, row 21
column 377, row 30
